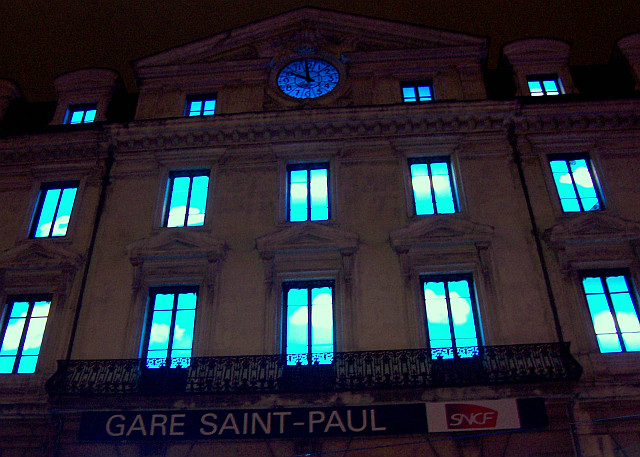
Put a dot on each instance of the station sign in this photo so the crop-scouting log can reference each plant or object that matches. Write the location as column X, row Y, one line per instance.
column 370, row 420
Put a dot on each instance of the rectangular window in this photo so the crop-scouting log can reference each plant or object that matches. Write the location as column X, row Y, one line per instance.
column 614, row 310
column 308, row 186
column 540, row 85
column 200, row 105
column 170, row 325
column 451, row 320
column 432, row 182
column 53, row 209
column 576, row 184
column 308, row 322
column 186, row 198
column 80, row 114
column 417, row 91
column 21, row 333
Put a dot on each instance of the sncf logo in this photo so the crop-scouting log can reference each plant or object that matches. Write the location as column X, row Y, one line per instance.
column 461, row 415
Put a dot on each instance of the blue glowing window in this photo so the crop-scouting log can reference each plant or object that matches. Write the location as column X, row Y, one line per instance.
column 420, row 91
column 201, row 105
column 308, row 189
column 170, row 327
column 432, row 183
column 451, row 320
column 614, row 310
column 575, row 183
column 80, row 114
column 542, row 85
column 186, row 198
column 308, row 322
column 22, row 330
column 53, row 209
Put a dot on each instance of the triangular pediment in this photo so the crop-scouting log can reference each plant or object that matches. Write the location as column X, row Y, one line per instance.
column 38, row 255
column 592, row 227
column 440, row 231
column 176, row 243
column 312, row 29
column 307, row 236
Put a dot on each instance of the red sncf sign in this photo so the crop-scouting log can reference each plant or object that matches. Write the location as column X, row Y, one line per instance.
column 461, row 415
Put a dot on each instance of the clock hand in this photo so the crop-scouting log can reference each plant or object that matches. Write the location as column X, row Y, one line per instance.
column 306, row 78
column 306, row 70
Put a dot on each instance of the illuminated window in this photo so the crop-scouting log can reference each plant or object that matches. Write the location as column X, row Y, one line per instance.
column 308, row 322
column 53, row 209
column 576, row 183
column 80, row 114
column 23, row 324
column 308, row 188
column 170, row 324
column 417, row 91
column 614, row 310
column 451, row 320
column 540, row 85
column 432, row 182
column 200, row 105
column 186, row 198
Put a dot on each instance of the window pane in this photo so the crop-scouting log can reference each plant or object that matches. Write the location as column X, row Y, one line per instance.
column 298, row 195
column 183, row 330
column 409, row 94
column 321, row 320
column 318, row 301
column 319, row 195
column 198, row 203
column 76, row 117
column 424, row 93
column 442, row 188
column 23, row 335
column 64, row 212
column 35, row 332
column 209, row 108
column 609, row 343
column 535, row 88
column 437, row 314
column 178, row 201
column 160, row 325
column 551, row 87
column 575, row 185
column 605, row 303
column 90, row 115
column 194, row 108
column 422, row 189
column 47, row 212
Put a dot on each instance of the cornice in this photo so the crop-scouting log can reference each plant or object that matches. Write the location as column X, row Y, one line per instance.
column 53, row 146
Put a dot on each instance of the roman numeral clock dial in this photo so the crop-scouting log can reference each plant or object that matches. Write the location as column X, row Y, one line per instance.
column 308, row 78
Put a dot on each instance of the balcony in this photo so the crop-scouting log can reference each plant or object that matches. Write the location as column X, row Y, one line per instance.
column 349, row 371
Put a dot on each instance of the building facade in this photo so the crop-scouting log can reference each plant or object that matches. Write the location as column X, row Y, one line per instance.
column 324, row 234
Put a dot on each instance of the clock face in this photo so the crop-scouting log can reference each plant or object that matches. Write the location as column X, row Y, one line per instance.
column 308, row 78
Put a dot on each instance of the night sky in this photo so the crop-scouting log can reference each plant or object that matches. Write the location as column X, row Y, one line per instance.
column 44, row 39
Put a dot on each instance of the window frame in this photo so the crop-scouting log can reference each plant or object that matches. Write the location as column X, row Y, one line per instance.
column 308, row 166
column 597, row 185
column 9, row 301
column 446, row 278
column 307, row 284
column 80, row 107
column 416, row 85
column 602, row 274
column 39, row 203
column 169, row 183
column 149, row 314
column 541, row 78
column 428, row 160
column 207, row 97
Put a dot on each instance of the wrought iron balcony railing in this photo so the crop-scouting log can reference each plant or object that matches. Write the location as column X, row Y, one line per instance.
column 349, row 371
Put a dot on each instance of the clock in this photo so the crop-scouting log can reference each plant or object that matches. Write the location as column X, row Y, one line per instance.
column 308, row 77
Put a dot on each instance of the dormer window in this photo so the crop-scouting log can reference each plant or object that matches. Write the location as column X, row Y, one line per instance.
column 200, row 105
column 417, row 91
column 81, row 114
column 541, row 85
